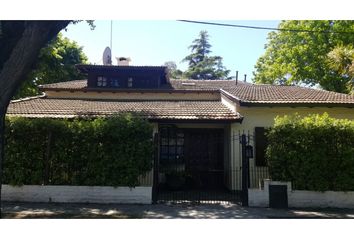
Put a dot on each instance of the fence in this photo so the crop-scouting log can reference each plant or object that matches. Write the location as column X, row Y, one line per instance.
column 256, row 174
column 228, row 183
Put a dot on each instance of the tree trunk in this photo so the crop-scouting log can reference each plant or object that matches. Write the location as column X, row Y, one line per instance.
column 21, row 56
column 2, row 143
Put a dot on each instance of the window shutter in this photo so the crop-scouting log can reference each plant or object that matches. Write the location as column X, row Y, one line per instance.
column 261, row 144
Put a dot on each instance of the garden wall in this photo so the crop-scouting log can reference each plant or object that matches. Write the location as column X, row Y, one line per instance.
column 77, row 194
column 302, row 198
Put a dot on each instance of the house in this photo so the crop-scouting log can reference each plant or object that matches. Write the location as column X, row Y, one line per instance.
column 200, row 122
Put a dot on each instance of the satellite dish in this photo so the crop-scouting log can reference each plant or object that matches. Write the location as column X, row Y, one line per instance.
column 107, row 56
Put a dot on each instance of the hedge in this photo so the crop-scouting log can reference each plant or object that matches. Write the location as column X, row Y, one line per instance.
column 111, row 151
column 314, row 153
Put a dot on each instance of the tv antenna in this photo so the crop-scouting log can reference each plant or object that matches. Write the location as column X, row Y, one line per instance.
column 111, row 34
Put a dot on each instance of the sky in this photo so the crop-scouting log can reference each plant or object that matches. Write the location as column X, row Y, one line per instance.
column 153, row 42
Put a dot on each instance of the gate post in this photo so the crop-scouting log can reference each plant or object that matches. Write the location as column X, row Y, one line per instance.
column 245, row 172
column 155, row 182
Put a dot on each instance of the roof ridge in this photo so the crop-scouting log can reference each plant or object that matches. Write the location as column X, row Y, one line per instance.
column 27, row 98
column 131, row 100
column 324, row 90
column 206, row 80
column 121, row 66
column 75, row 80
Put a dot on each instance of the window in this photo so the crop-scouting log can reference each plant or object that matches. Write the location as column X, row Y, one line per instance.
column 114, row 82
column 130, row 82
column 171, row 146
column 101, row 81
column 261, row 144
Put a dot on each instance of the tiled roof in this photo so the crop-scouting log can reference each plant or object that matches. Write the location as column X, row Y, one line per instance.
column 253, row 93
column 173, row 85
column 246, row 92
column 69, row 85
column 201, row 85
column 176, row 110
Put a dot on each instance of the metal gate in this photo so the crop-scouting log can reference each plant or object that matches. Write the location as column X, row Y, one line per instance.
column 190, row 166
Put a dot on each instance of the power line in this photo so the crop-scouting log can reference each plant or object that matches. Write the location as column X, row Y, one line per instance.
column 262, row 28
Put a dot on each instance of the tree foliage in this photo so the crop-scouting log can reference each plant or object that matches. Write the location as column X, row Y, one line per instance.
column 20, row 43
column 175, row 73
column 314, row 152
column 302, row 57
column 200, row 64
column 341, row 60
column 111, row 151
column 56, row 63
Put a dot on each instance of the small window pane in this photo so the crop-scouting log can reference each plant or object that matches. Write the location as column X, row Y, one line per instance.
column 164, row 141
column 130, row 82
column 180, row 151
column 180, row 135
column 164, row 150
column 172, row 142
column 180, row 141
column 101, row 81
column 172, row 150
column 164, row 132
column 114, row 82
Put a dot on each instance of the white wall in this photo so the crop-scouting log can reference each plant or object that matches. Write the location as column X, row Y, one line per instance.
column 321, row 199
column 264, row 117
column 302, row 199
column 77, row 194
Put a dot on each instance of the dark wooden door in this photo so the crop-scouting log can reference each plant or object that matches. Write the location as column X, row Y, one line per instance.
column 203, row 152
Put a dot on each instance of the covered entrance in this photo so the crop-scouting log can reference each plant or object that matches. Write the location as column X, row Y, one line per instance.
column 191, row 165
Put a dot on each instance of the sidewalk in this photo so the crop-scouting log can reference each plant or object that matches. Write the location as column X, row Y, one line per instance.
column 162, row 211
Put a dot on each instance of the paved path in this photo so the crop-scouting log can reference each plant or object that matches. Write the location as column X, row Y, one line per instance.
column 162, row 211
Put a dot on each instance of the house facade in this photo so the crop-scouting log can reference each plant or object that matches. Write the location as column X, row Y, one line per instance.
column 199, row 122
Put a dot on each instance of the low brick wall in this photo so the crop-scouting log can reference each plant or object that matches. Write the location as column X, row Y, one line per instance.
column 300, row 198
column 77, row 194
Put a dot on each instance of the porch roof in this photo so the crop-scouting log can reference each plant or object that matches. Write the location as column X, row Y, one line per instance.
column 153, row 110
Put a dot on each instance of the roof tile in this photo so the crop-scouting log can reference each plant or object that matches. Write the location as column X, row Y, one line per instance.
column 193, row 110
column 246, row 92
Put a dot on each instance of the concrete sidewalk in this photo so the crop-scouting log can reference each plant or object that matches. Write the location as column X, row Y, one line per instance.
column 162, row 211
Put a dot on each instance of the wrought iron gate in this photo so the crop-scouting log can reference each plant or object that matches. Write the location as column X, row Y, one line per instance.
column 190, row 166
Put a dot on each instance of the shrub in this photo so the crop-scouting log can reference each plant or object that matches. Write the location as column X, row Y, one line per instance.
column 314, row 153
column 111, row 151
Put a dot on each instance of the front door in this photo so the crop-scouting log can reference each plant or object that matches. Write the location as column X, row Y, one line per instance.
column 203, row 153
column 191, row 159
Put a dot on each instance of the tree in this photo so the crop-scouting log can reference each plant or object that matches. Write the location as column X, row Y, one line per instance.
column 175, row 73
column 201, row 65
column 301, row 57
column 341, row 60
column 20, row 43
column 56, row 63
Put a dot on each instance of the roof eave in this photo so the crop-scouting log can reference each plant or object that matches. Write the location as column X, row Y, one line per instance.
column 151, row 119
column 295, row 104
column 127, row 90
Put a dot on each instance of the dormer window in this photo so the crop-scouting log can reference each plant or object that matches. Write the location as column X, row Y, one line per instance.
column 101, row 81
column 114, row 82
column 130, row 82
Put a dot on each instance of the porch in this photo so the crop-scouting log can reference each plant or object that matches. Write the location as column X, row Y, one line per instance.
column 203, row 163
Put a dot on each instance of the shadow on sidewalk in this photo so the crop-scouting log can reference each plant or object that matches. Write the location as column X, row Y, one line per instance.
column 15, row 210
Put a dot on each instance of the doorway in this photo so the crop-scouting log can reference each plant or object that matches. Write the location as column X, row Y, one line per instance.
column 191, row 164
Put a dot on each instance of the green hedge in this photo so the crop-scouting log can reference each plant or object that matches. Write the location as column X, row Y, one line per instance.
column 111, row 151
column 314, row 153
